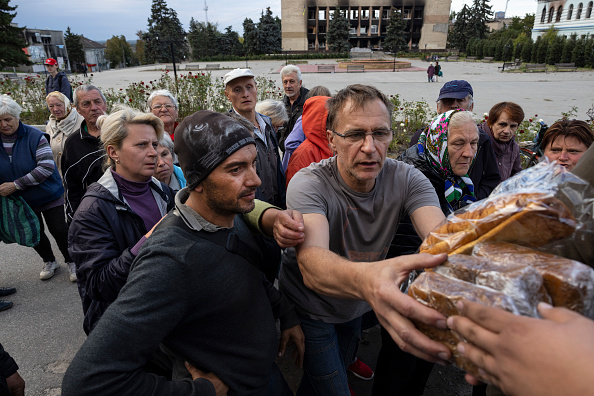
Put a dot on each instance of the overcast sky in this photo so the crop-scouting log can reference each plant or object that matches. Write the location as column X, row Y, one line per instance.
column 101, row 19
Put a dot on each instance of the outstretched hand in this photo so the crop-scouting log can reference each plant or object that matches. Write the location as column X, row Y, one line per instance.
column 528, row 356
column 288, row 228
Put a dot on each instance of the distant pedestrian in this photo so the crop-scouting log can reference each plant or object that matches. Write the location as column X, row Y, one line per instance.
column 56, row 81
column 84, row 70
column 430, row 72
column 437, row 71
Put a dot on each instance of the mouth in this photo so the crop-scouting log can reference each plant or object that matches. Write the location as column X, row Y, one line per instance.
column 248, row 195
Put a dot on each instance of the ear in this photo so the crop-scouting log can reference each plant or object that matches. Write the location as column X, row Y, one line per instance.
column 331, row 136
column 227, row 95
column 471, row 107
column 112, row 152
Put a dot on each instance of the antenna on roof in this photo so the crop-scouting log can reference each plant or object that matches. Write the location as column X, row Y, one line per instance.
column 206, row 12
column 504, row 12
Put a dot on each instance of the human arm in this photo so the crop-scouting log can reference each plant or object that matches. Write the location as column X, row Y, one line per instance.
column 73, row 184
column 8, row 370
column 65, row 87
column 286, row 226
column 528, row 356
column 295, row 138
column 375, row 282
column 220, row 387
column 45, row 166
column 16, row 385
column 517, row 166
column 101, row 249
column 7, row 188
column 425, row 219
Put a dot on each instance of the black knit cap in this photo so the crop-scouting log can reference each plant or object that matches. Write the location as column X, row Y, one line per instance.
column 205, row 139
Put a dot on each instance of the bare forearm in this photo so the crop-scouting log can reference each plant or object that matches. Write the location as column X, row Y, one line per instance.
column 327, row 273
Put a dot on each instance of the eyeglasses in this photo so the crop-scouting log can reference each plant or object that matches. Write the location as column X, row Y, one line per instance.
column 159, row 107
column 382, row 136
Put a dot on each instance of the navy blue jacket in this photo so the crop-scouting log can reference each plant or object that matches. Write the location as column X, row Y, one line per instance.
column 59, row 83
column 24, row 161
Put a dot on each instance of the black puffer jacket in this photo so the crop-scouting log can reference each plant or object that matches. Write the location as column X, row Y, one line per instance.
column 103, row 231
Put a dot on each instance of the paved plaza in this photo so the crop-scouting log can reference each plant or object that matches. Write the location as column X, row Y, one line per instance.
column 43, row 330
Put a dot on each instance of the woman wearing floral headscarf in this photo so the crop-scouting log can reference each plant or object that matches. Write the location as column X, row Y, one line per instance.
column 64, row 120
column 444, row 154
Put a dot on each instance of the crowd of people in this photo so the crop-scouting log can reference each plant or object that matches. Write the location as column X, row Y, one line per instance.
column 176, row 232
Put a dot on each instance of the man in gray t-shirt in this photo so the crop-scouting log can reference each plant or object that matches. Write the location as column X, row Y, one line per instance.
column 351, row 206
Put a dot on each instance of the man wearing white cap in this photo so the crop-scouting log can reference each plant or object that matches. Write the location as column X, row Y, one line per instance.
column 241, row 90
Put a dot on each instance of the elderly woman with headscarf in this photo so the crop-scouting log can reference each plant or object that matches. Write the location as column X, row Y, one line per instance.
column 163, row 104
column 444, row 154
column 28, row 170
column 63, row 121
column 166, row 170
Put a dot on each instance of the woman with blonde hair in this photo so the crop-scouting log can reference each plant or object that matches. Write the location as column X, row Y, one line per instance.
column 63, row 121
column 117, row 211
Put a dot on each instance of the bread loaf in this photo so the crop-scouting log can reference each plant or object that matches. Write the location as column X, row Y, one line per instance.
column 511, row 218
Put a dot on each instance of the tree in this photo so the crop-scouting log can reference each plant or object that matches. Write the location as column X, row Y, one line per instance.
column 567, row 53
column 74, row 46
column 140, row 48
column 396, row 34
column 250, row 37
column 459, row 36
column 338, row 32
column 12, row 40
column 165, row 32
column 480, row 14
column 230, row 44
column 527, row 50
column 205, row 39
column 118, row 51
column 578, row 57
column 269, row 34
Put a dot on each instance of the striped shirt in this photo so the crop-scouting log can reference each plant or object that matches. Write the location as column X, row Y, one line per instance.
column 43, row 156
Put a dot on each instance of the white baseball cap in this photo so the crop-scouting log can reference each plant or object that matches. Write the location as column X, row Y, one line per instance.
column 237, row 73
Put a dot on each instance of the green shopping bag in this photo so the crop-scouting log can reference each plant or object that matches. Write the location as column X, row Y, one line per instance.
column 18, row 223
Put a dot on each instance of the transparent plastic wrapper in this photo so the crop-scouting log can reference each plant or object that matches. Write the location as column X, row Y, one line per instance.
column 520, row 246
column 537, row 207
column 505, row 276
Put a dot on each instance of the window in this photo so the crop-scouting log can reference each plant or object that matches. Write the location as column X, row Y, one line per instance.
column 353, row 31
column 322, row 15
column 354, row 13
column 373, row 29
column 559, row 11
column 589, row 11
column 376, row 14
column 570, row 12
column 407, row 14
column 331, row 14
column 363, row 30
column 365, row 14
column 579, row 11
column 386, row 13
column 544, row 13
column 311, row 13
column 550, row 15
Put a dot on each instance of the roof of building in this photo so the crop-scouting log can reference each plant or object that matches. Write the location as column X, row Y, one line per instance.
column 87, row 43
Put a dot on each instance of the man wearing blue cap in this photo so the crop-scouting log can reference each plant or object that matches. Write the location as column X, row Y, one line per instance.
column 458, row 94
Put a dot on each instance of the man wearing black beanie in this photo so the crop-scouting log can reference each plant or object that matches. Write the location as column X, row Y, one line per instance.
column 195, row 290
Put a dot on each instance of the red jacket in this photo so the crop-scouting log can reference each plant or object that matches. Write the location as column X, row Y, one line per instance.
column 315, row 147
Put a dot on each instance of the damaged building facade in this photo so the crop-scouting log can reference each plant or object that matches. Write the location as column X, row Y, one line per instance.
column 567, row 16
column 305, row 23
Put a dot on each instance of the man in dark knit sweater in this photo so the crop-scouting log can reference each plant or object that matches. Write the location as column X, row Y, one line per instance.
column 200, row 300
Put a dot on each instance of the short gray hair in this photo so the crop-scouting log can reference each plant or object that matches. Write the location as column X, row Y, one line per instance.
column 274, row 109
column 160, row 92
column 470, row 101
column 168, row 143
column 9, row 107
column 460, row 118
column 290, row 69
column 114, row 128
column 86, row 88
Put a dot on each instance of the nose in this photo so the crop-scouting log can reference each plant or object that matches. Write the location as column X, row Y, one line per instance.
column 468, row 151
column 563, row 155
column 368, row 145
column 252, row 179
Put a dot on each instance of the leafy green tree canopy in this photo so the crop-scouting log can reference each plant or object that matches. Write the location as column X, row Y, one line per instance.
column 74, row 46
column 338, row 32
column 165, row 32
column 396, row 35
column 12, row 40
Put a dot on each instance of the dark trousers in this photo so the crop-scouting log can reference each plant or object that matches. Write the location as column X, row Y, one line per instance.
column 54, row 217
column 397, row 372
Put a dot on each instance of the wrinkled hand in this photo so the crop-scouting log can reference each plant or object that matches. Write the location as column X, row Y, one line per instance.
column 219, row 386
column 294, row 335
column 394, row 309
column 288, row 228
column 528, row 356
column 16, row 385
column 7, row 188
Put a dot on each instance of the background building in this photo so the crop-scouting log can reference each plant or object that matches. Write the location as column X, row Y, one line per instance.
column 43, row 44
column 94, row 54
column 568, row 16
column 305, row 22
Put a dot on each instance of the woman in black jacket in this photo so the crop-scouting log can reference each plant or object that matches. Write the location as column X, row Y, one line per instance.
column 117, row 211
